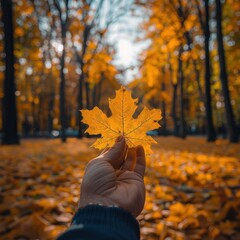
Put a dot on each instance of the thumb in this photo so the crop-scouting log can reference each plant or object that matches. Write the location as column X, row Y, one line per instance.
column 116, row 154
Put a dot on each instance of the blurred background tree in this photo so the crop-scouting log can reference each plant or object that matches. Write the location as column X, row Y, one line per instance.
column 190, row 32
column 9, row 110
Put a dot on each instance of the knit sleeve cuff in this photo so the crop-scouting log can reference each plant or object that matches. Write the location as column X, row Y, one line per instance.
column 113, row 222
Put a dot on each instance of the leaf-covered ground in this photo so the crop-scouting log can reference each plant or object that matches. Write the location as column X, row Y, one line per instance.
column 193, row 189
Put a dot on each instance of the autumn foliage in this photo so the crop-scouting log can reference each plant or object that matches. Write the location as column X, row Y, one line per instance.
column 192, row 189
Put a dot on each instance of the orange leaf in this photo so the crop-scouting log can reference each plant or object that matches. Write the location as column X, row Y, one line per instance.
column 121, row 122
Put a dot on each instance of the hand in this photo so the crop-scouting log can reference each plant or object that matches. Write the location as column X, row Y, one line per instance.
column 110, row 179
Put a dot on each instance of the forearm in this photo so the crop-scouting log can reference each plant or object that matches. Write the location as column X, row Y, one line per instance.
column 102, row 223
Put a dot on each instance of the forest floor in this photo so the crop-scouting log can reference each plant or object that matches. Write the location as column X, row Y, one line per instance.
column 193, row 189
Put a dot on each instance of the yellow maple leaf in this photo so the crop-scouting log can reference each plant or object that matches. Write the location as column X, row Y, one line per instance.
column 121, row 122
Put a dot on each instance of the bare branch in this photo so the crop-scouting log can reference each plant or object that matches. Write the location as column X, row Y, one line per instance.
column 56, row 4
column 200, row 17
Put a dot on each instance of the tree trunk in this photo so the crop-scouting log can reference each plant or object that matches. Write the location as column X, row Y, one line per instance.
column 9, row 115
column 51, row 101
column 87, row 89
column 94, row 95
column 80, row 106
column 41, row 111
column 174, row 106
column 231, row 125
column 63, row 119
column 85, row 36
column 164, row 119
column 163, row 129
column 50, row 112
column 197, row 72
column 174, row 103
column 99, row 92
column 211, row 135
column 182, row 129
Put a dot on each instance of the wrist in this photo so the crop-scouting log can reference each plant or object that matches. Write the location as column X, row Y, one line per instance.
column 96, row 201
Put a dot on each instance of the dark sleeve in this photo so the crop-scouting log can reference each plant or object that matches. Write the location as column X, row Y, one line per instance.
column 102, row 223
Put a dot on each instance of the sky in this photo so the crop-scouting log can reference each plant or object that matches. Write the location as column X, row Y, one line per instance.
column 123, row 35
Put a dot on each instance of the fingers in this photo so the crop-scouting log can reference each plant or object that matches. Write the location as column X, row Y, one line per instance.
column 135, row 161
column 130, row 161
column 141, row 162
column 116, row 154
column 105, row 150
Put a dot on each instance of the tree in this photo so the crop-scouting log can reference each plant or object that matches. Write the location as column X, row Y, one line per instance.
column 64, row 21
column 182, row 129
column 211, row 135
column 10, row 134
column 231, row 125
column 183, row 12
column 176, row 25
column 43, row 15
column 100, row 69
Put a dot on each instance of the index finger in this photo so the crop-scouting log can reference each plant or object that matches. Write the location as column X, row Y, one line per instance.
column 141, row 161
column 116, row 154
